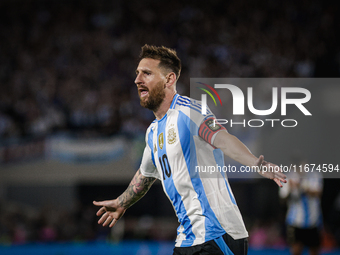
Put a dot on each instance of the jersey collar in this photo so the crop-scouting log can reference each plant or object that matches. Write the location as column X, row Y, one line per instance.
column 174, row 100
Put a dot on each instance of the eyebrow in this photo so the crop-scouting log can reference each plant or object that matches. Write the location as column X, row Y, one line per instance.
column 143, row 70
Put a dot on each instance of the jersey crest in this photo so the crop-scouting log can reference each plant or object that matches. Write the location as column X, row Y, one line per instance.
column 172, row 136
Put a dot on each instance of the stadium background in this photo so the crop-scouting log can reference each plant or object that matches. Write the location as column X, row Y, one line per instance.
column 72, row 129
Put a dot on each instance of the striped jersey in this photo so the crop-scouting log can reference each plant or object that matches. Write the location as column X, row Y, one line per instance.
column 304, row 211
column 203, row 202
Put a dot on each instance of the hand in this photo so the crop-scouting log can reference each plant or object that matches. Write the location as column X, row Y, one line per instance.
column 111, row 212
column 271, row 171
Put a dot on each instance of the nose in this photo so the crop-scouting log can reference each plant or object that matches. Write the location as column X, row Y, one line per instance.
column 138, row 79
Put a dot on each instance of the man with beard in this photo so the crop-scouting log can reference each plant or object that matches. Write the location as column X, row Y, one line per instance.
column 179, row 139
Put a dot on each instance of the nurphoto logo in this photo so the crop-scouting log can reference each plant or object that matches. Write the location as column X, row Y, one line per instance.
column 239, row 104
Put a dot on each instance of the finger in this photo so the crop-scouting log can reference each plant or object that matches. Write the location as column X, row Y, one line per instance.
column 107, row 221
column 259, row 160
column 101, row 211
column 282, row 177
column 278, row 182
column 103, row 218
column 282, row 180
column 114, row 221
column 280, row 173
column 99, row 203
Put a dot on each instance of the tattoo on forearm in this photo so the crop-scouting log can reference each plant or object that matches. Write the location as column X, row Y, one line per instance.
column 136, row 190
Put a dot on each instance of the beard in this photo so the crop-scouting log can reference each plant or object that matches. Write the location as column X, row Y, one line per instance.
column 154, row 99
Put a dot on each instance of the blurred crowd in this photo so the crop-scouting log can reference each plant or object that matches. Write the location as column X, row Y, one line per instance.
column 70, row 65
column 21, row 224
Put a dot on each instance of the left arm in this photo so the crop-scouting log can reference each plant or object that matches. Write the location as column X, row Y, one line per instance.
column 235, row 149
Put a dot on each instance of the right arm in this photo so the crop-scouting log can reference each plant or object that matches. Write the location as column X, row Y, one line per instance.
column 138, row 187
column 112, row 210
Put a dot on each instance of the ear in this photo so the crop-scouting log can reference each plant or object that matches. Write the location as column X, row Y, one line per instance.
column 170, row 79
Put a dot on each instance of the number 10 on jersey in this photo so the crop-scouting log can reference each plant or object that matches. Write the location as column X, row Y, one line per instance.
column 164, row 162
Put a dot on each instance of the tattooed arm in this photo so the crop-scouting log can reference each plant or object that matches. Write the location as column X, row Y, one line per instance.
column 136, row 190
column 112, row 210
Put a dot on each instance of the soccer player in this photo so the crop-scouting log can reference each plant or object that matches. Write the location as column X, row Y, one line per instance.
column 304, row 216
column 179, row 139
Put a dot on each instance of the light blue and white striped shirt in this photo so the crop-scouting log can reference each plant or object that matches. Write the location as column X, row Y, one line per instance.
column 204, row 203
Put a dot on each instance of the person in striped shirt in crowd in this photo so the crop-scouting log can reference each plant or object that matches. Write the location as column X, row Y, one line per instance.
column 304, row 215
column 178, row 140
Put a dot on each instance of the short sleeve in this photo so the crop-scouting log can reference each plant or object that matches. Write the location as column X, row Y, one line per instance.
column 147, row 167
column 207, row 125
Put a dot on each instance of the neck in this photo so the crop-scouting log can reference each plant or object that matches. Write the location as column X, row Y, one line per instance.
column 165, row 105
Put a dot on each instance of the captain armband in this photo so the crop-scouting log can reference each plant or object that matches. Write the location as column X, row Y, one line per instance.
column 209, row 128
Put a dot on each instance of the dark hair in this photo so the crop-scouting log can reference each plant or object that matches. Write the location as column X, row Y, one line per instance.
column 168, row 57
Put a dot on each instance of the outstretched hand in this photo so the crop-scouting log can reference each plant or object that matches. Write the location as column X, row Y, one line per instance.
column 271, row 171
column 111, row 212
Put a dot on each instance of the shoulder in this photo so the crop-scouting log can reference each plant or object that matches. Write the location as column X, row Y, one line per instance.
column 150, row 129
column 188, row 105
column 151, row 126
column 184, row 101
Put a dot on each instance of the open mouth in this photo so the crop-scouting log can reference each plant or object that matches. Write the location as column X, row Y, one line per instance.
column 143, row 92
